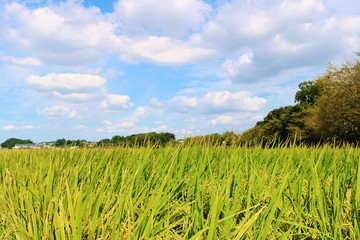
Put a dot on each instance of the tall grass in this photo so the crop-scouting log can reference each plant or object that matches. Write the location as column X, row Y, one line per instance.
column 180, row 193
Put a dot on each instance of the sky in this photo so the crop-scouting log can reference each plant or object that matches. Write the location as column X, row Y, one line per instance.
column 92, row 69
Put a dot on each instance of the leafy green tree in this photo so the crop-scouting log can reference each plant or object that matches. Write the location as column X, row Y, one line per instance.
column 280, row 125
column 104, row 142
column 309, row 92
column 60, row 142
column 336, row 114
column 118, row 140
column 11, row 142
column 165, row 138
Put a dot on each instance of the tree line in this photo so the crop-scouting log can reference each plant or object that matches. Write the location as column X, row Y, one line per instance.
column 135, row 140
column 138, row 140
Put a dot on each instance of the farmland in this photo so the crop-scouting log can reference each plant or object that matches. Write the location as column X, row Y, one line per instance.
column 180, row 193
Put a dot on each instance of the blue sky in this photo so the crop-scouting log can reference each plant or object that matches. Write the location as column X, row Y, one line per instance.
column 94, row 69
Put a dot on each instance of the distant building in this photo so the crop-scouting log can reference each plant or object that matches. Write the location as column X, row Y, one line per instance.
column 91, row 144
column 45, row 145
column 26, row 146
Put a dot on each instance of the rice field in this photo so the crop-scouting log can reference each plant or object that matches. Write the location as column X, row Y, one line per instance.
column 180, row 193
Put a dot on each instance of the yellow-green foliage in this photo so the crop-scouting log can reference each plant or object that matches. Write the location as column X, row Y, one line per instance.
column 180, row 193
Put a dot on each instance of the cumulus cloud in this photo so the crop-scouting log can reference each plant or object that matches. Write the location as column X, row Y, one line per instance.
column 213, row 102
column 183, row 132
column 9, row 127
column 223, row 120
column 286, row 34
column 303, row 9
column 163, row 50
column 81, row 127
column 142, row 112
column 73, row 96
column 281, row 35
column 69, row 86
column 62, row 112
column 29, row 127
column 66, row 33
column 116, row 102
column 112, row 127
column 141, row 17
column 239, row 68
column 23, row 61
column 66, row 81
column 240, row 24
column 160, row 128
column 235, row 119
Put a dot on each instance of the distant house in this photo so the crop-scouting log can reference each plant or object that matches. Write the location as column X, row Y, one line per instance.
column 90, row 144
column 45, row 145
column 26, row 146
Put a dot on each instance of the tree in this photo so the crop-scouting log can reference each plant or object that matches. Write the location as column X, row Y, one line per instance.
column 280, row 125
column 11, row 142
column 309, row 92
column 140, row 139
column 336, row 113
column 60, row 142
column 118, row 140
column 104, row 142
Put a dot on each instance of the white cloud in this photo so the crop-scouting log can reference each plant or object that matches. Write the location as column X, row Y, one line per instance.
column 214, row 102
column 281, row 35
column 112, row 127
column 62, row 112
column 9, row 128
column 161, row 128
column 288, row 32
column 223, row 120
column 170, row 18
column 163, row 50
column 29, row 127
column 239, row 68
column 142, row 112
column 73, row 96
column 235, row 119
column 351, row 23
column 66, row 33
column 81, row 127
column 303, row 8
column 69, row 86
column 116, row 102
column 27, row 61
column 183, row 133
column 70, row 34
column 66, row 81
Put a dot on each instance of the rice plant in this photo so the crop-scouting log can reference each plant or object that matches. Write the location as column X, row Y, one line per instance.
column 180, row 193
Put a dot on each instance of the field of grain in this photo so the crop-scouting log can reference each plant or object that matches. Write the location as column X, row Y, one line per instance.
column 180, row 193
